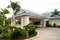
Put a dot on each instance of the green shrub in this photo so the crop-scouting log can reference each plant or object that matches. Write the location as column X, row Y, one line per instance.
column 30, row 28
column 19, row 32
column 31, row 32
column 48, row 25
column 54, row 25
column 5, row 35
column 6, row 32
column 0, row 30
column 23, row 32
column 16, row 32
column 58, row 26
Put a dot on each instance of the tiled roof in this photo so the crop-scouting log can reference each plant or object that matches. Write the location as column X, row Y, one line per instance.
column 53, row 17
column 49, row 16
column 23, row 11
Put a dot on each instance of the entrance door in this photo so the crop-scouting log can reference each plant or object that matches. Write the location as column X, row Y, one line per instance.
column 47, row 23
column 37, row 24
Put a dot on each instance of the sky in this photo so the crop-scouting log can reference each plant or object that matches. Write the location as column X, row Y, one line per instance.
column 38, row 6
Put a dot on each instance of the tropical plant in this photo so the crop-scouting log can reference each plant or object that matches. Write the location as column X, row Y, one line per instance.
column 55, row 13
column 23, row 32
column 2, row 15
column 8, row 21
column 6, row 32
column 19, row 32
column 1, row 19
column 30, row 29
column 15, row 6
column 54, row 25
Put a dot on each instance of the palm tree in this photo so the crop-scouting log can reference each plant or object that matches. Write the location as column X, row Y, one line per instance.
column 55, row 13
column 8, row 21
column 1, row 18
column 16, row 8
column 3, row 12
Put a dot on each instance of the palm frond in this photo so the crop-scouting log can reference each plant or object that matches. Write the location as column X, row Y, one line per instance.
column 5, row 11
column 55, row 12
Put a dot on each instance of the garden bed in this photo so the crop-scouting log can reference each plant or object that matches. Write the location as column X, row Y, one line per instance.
column 12, row 33
column 20, row 37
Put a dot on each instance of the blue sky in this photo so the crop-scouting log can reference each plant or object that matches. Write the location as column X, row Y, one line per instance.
column 39, row 6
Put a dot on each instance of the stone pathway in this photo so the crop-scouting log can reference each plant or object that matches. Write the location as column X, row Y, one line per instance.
column 47, row 34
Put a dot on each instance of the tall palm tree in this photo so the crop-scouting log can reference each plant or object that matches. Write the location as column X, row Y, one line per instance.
column 3, row 12
column 1, row 18
column 54, row 13
column 16, row 8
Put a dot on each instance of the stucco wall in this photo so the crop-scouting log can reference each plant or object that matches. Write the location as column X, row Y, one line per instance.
column 56, row 21
column 24, row 21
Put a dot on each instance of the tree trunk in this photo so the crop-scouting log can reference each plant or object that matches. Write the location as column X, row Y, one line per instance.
column 27, row 34
column 14, row 19
column 3, row 22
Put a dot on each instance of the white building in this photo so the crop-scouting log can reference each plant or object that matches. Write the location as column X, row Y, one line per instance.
column 52, row 20
column 25, row 17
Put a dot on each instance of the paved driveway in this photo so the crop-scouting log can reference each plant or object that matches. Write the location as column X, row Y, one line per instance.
column 47, row 34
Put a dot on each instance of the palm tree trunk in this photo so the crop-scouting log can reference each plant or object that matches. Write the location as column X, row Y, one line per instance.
column 4, row 20
column 55, row 19
column 14, row 18
column 27, row 34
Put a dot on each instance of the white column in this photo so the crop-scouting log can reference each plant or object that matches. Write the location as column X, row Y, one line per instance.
column 13, row 21
column 24, row 21
column 41, row 23
column 21, row 22
column 44, row 23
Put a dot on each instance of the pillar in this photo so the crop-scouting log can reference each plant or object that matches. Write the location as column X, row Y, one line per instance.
column 13, row 21
column 24, row 21
column 21, row 22
column 43, row 23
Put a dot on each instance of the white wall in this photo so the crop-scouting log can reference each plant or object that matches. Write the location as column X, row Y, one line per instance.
column 52, row 21
column 24, row 21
